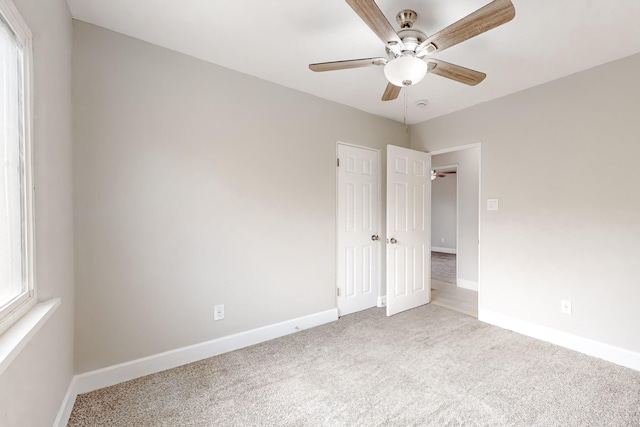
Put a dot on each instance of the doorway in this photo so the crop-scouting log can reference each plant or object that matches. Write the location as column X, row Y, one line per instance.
column 455, row 228
column 444, row 223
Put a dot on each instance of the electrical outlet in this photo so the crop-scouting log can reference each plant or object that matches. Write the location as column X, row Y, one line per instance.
column 565, row 306
column 443, row 240
column 218, row 312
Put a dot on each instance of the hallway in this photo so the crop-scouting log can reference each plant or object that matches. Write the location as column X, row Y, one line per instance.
column 444, row 291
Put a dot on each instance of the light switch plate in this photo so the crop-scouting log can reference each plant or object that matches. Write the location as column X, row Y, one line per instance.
column 492, row 204
column 218, row 312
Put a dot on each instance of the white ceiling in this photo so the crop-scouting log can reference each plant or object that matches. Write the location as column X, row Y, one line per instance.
column 275, row 40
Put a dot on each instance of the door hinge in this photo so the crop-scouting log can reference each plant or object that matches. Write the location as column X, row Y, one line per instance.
column 338, row 291
column 338, row 162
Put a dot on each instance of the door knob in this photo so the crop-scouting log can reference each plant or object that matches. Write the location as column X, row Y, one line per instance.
column 375, row 237
column 393, row 241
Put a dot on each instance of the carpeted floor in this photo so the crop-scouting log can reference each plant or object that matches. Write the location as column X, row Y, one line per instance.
column 443, row 267
column 427, row 366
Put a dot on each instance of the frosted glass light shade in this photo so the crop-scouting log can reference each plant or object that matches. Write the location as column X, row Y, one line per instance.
column 405, row 70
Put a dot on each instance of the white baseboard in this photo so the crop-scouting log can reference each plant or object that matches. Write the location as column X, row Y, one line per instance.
column 610, row 353
column 94, row 380
column 64, row 413
column 443, row 250
column 382, row 301
column 467, row 284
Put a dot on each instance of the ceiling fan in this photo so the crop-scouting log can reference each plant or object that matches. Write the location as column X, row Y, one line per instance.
column 437, row 174
column 406, row 49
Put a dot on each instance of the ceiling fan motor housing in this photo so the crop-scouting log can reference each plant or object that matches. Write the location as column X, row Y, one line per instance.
column 411, row 37
column 406, row 18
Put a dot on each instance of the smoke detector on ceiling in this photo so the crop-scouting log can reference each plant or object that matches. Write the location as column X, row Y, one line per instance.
column 421, row 103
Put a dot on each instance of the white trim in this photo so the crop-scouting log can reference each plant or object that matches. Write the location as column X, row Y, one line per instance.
column 116, row 374
column 26, row 301
column 111, row 375
column 443, row 250
column 467, row 284
column 15, row 20
column 458, row 224
column 382, row 301
column 64, row 413
column 479, row 224
column 14, row 339
column 458, row 148
column 617, row 355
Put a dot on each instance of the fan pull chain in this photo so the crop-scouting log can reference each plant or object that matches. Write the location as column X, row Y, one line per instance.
column 405, row 111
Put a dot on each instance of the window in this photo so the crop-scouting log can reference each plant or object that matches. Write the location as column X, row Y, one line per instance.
column 17, row 287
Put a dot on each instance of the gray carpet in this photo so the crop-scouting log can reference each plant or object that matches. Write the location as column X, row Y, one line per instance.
column 427, row 366
column 443, row 267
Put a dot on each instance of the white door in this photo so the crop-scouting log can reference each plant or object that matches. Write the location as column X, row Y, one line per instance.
column 408, row 229
column 358, row 224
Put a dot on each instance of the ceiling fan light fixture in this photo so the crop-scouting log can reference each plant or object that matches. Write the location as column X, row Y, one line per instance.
column 405, row 70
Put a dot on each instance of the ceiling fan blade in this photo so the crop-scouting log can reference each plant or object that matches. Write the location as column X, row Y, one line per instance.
column 455, row 72
column 391, row 92
column 370, row 13
column 343, row 65
column 494, row 14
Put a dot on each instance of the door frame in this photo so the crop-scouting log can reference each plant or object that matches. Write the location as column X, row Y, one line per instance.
column 459, row 148
column 381, row 231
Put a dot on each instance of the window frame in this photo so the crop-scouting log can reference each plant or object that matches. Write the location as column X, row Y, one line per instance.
column 13, row 311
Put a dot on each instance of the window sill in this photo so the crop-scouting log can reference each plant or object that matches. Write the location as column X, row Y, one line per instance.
column 20, row 333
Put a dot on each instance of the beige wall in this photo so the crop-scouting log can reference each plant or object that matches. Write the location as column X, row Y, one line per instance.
column 444, row 212
column 195, row 186
column 33, row 386
column 549, row 154
column 468, row 162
